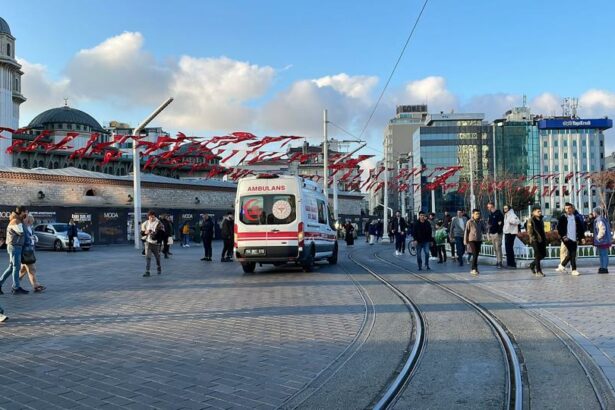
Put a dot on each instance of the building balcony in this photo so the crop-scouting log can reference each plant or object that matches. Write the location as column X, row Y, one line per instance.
column 18, row 97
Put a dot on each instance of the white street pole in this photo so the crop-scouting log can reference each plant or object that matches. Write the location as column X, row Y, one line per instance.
column 495, row 172
column 472, row 197
column 335, row 197
column 136, row 172
column 325, row 154
column 385, row 222
column 433, row 199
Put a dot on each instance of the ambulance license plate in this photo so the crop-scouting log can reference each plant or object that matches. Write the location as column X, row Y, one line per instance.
column 256, row 252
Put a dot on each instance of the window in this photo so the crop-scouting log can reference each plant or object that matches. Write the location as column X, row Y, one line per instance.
column 322, row 213
column 566, row 168
column 565, row 155
column 90, row 192
column 40, row 228
column 267, row 209
column 8, row 49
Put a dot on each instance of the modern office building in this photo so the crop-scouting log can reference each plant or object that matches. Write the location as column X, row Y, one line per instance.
column 447, row 140
column 397, row 141
column 571, row 148
column 10, row 89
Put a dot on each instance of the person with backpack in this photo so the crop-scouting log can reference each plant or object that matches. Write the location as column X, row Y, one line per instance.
column 207, row 235
column 154, row 236
column 602, row 238
column 227, row 231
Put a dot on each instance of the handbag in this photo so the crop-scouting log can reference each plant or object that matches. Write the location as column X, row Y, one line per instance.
column 28, row 257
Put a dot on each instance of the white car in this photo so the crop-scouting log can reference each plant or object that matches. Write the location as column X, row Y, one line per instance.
column 54, row 236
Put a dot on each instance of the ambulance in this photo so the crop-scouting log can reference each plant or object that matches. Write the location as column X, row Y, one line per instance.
column 282, row 219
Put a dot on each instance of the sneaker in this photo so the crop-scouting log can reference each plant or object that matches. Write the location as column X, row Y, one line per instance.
column 603, row 270
column 428, row 268
column 474, row 272
column 146, row 274
column 499, row 265
column 1, row 292
column 396, row 253
column 159, row 272
column 203, row 259
column 575, row 273
column 3, row 317
column 19, row 291
column 560, row 269
column 533, row 268
column 187, row 246
column 39, row 288
column 541, row 274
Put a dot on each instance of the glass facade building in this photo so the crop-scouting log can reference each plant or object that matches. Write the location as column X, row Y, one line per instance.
column 451, row 140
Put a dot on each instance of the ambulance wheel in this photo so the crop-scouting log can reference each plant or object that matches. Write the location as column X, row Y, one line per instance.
column 248, row 267
column 333, row 259
column 308, row 263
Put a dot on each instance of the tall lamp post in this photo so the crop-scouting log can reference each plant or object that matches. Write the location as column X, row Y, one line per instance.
column 136, row 171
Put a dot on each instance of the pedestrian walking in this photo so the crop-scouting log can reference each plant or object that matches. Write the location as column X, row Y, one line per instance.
column 186, row 235
column 366, row 231
column 422, row 239
column 495, row 223
column 72, row 233
column 602, row 238
column 473, row 238
column 511, row 229
column 441, row 239
column 227, row 231
column 432, row 246
column 168, row 235
column 373, row 232
column 14, row 246
column 379, row 230
column 571, row 230
column 448, row 219
column 538, row 239
column 28, row 255
column 349, row 233
column 154, row 237
column 398, row 229
column 457, row 230
column 207, row 235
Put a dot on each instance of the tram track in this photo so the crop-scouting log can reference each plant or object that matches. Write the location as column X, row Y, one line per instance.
column 514, row 394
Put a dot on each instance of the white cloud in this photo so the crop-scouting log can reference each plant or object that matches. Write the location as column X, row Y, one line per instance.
column 41, row 91
column 546, row 104
column 596, row 102
column 432, row 91
column 492, row 105
column 210, row 93
column 298, row 110
column 119, row 70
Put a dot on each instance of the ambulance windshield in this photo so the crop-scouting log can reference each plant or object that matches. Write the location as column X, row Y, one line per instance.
column 267, row 209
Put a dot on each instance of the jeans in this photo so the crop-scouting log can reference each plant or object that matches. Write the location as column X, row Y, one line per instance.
column 185, row 239
column 207, row 246
column 441, row 252
column 424, row 247
column 509, row 243
column 540, row 251
column 604, row 257
column 152, row 249
column 452, row 243
column 475, row 247
column 227, row 250
column 460, row 249
column 400, row 242
column 14, row 265
column 571, row 246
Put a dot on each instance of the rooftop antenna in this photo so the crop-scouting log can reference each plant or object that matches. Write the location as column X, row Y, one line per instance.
column 524, row 100
column 574, row 104
column 565, row 107
column 66, row 101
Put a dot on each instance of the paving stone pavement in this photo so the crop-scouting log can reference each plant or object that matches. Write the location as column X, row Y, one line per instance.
column 201, row 335
column 583, row 306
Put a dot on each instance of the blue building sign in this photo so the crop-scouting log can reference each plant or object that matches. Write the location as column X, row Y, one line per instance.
column 575, row 123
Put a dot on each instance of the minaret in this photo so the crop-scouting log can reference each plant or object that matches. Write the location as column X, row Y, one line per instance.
column 10, row 90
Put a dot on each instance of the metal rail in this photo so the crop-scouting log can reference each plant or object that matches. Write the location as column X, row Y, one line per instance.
column 397, row 385
column 513, row 374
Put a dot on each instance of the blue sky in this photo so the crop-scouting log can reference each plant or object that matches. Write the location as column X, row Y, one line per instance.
column 475, row 52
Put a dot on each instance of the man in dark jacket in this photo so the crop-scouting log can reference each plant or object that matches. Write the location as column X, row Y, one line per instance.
column 422, row 239
column 168, row 229
column 496, row 227
column 538, row 240
column 571, row 228
column 227, row 232
column 72, row 233
column 398, row 228
column 207, row 235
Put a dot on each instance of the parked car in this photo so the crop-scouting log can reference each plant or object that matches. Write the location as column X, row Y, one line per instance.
column 54, row 236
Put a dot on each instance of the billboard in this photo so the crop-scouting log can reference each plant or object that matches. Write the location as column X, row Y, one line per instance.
column 575, row 123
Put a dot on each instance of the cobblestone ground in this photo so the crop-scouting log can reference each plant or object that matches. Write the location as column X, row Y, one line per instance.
column 201, row 335
column 582, row 305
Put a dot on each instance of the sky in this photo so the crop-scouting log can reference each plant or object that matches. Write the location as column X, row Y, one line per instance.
column 271, row 67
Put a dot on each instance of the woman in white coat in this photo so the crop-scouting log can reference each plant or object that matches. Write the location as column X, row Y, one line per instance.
column 511, row 229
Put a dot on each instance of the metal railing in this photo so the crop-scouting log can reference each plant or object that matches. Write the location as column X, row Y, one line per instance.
column 527, row 252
